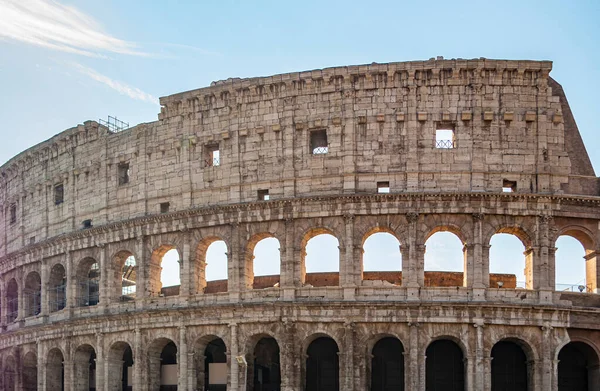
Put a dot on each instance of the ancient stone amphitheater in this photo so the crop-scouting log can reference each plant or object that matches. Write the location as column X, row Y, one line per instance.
column 472, row 147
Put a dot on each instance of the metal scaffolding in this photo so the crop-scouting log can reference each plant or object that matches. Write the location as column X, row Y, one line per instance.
column 58, row 297
column 32, row 301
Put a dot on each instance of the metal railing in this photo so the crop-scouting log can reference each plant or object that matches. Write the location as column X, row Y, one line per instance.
column 33, row 301
column 444, row 144
column 58, row 297
column 213, row 162
column 320, row 150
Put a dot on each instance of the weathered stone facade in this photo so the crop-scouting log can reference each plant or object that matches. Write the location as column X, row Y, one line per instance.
column 92, row 197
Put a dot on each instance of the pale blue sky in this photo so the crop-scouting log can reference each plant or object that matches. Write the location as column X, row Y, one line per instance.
column 65, row 62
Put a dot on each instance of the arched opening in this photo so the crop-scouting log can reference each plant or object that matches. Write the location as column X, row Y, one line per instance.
column 120, row 364
column 125, row 276
column 10, row 373
column 213, row 261
column 263, row 369
column 387, row 365
column 32, row 294
column 571, row 265
column 444, row 366
column 88, row 283
column 57, row 288
column 445, row 259
column 212, row 371
column 12, row 301
column 509, row 367
column 162, row 360
column 321, row 259
column 578, row 368
column 30, row 379
column 322, row 365
column 508, row 261
column 264, row 258
column 55, row 374
column 170, row 279
column 85, row 368
column 381, row 258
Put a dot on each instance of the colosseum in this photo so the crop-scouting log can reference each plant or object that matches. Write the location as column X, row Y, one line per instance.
column 467, row 148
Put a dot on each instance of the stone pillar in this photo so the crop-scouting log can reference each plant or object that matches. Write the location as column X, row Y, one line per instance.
column 348, row 370
column 411, row 274
column 3, row 306
column 592, row 271
column 104, row 286
column 350, row 267
column 543, row 268
column 100, row 360
column 479, row 375
column 234, row 264
column 185, row 267
column 20, row 299
column 480, row 267
column 139, row 363
column 468, row 266
column 288, row 357
column 469, row 362
column 140, row 263
column 41, row 366
column 183, row 360
column 485, row 267
column 487, row 373
column 287, row 275
column 69, row 374
column 71, row 281
column 547, row 358
column 415, row 361
column 234, row 371
column 44, row 305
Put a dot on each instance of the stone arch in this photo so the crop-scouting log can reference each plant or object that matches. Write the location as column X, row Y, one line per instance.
column 11, row 373
column 365, row 226
column 525, row 342
column 200, row 282
column 249, row 282
column 264, row 362
column 307, row 235
column 391, row 275
column 87, row 278
column 123, row 282
column 12, row 300
column 57, row 287
column 442, row 275
column 444, row 363
column 30, row 371
column 156, row 362
column 210, row 349
column 85, row 367
column 578, row 365
column 32, row 294
column 587, row 239
column 55, row 374
column 120, row 363
column 386, row 369
column 155, row 284
column 322, row 362
column 506, row 371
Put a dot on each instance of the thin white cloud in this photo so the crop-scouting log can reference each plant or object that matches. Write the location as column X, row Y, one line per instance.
column 121, row 88
column 59, row 27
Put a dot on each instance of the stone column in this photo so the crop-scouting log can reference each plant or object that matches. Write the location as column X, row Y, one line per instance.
column 234, row 371
column 347, row 371
column 185, row 266
column 468, row 266
column 234, row 264
column 139, row 362
column 416, row 360
column 183, row 360
column 3, row 306
column 479, row 376
column 71, row 281
column 288, row 357
column 286, row 280
column 41, row 366
column 350, row 267
column 592, row 270
column 104, row 286
column 140, row 263
column 485, row 265
column 100, row 360
column 480, row 267
column 542, row 267
column 69, row 374
column 412, row 274
column 44, row 305
column 547, row 357
column 469, row 362
column 20, row 299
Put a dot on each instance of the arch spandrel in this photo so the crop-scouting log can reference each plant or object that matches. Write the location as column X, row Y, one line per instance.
column 459, row 225
column 524, row 228
column 365, row 226
column 307, row 229
column 529, row 341
column 581, row 233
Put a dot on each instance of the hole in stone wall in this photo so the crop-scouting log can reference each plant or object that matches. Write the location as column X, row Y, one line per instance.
column 318, row 142
column 322, row 260
column 382, row 259
column 570, row 265
column 509, row 186
column 169, row 275
column 506, row 257
column 266, row 263
column 444, row 253
column 383, row 187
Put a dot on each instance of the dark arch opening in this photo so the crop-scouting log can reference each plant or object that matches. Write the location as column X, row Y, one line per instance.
column 57, row 288
column 55, row 373
column 322, row 365
column 85, row 368
column 30, row 379
column 32, row 294
column 578, row 368
column 444, row 367
column 387, row 365
column 168, row 367
column 88, row 278
column 509, row 367
column 124, row 277
column 10, row 373
column 12, row 301
column 264, row 373
column 215, row 366
column 120, row 361
column 265, row 258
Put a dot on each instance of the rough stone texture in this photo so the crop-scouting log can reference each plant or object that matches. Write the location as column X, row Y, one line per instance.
column 511, row 123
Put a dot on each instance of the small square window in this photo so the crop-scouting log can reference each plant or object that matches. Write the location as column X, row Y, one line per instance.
column 318, row 142
column 32, row 240
column 213, row 155
column 444, row 138
column 383, row 187
column 13, row 213
column 509, row 186
column 87, row 223
column 164, row 207
column 123, row 173
column 263, row 195
column 59, row 194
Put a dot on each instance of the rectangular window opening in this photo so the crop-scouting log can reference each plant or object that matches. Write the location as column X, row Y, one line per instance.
column 59, row 194
column 509, row 186
column 318, row 142
column 87, row 223
column 164, row 207
column 444, row 138
column 123, row 173
column 383, row 187
column 263, row 195
column 213, row 156
column 13, row 213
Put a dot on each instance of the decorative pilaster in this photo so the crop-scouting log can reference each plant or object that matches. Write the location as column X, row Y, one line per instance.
column 542, row 267
column 481, row 269
column 348, row 371
column 101, row 369
column 141, row 273
column 349, row 268
column 414, row 379
column 104, row 288
column 480, row 372
column 185, row 266
column 234, row 371
column 139, row 362
column 234, row 264
column 412, row 275
column 288, row 357
column 183, row 360
column 44, row 305
column 287, row 273
column 546, row 357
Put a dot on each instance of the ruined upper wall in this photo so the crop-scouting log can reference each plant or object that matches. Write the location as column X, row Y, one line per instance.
column 380, row 122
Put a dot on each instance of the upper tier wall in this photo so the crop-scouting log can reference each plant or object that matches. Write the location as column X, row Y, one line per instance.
column 380, row 122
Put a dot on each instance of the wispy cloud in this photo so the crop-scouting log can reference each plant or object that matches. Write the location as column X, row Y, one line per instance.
column 121, row 88
column 59, row 27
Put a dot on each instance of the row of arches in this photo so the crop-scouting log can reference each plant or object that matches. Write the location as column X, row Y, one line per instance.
column 380, row 254
column 510, row 368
